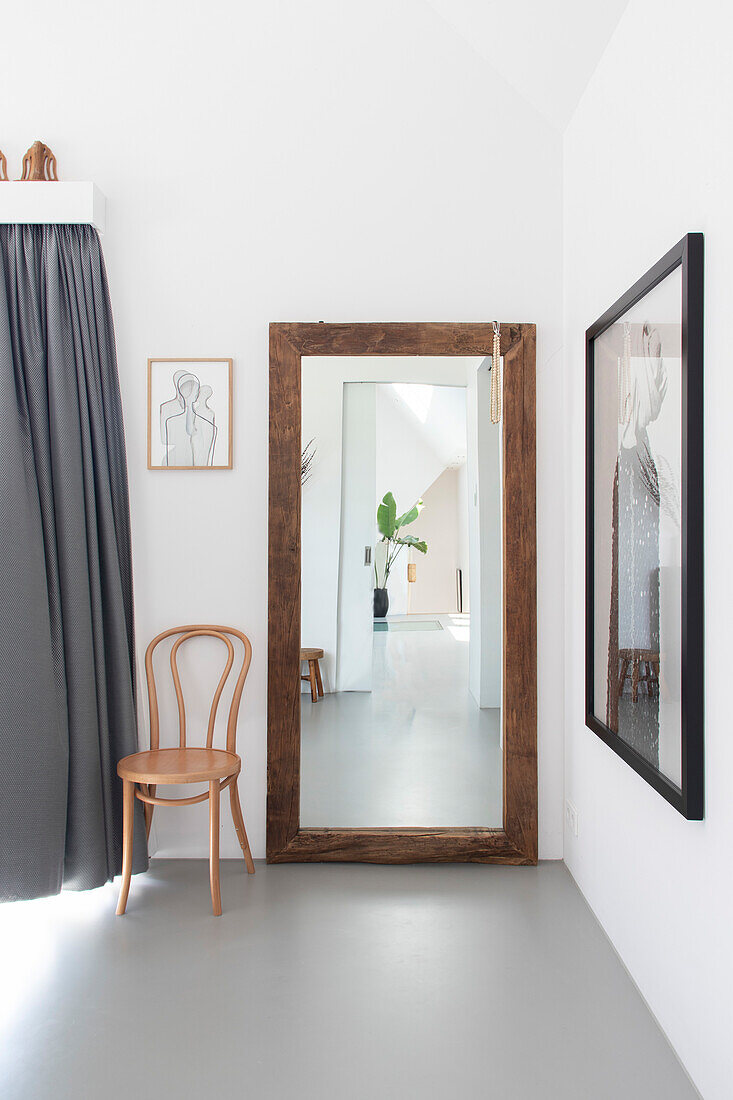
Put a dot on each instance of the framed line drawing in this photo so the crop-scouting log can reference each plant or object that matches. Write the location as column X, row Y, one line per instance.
column 189, row 414
column 644, row 527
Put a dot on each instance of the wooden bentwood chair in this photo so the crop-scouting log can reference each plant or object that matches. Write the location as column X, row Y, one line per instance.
column 142, row 772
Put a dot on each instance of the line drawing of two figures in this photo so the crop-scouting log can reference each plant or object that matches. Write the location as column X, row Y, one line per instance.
column 188, row 428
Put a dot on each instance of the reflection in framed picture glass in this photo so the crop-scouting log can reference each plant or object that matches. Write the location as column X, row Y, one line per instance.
column 189, row 414
column 644, row 536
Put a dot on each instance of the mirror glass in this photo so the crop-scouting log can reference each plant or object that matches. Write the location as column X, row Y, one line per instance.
column 401, row 595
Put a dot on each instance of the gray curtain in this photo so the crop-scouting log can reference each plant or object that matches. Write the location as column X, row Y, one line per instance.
column 67, row 682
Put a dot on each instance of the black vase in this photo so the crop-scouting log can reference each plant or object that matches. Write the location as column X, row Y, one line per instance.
column 381, row 602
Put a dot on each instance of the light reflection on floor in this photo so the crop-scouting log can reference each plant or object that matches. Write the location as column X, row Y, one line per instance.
column 29, row 936
column 460, row 627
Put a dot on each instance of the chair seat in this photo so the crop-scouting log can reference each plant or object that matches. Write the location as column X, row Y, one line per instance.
column 311, row 654
column 178, row 765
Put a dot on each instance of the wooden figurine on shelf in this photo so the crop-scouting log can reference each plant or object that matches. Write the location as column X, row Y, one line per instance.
column 3, row 168
column 39, row 163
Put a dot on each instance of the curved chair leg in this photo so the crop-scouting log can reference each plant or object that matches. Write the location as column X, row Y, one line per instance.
column 214, row 846
column 150, row 789
column 635, row 681
column 128, row 809
column 239, row 826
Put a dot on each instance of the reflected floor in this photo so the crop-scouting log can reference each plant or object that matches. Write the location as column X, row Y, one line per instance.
column 415, row 751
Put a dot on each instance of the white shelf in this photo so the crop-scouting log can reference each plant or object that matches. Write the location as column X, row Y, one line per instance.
column 52, row 203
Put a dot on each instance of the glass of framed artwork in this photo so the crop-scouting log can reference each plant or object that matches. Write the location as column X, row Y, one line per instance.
column 189, row 414
column 644, row 527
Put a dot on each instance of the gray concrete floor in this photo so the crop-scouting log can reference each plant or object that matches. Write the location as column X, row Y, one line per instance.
column 325, row 982
column 415, row 750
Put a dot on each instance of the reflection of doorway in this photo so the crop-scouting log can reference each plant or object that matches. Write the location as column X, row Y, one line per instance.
column 406, row 434
column 418, row 440
column 422, row 454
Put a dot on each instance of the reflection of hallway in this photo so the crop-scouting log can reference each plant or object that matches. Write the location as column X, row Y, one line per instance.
column 414, row 751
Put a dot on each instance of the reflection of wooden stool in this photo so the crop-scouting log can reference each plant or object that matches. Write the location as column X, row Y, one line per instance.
column 638, row 659
column 313, row 656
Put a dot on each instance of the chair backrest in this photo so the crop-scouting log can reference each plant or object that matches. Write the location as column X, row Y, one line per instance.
column 225, row 633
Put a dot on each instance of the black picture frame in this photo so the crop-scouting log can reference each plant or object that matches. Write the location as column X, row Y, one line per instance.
column 688, row 798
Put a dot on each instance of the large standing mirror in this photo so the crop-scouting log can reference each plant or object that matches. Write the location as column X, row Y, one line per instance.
column 402, row 691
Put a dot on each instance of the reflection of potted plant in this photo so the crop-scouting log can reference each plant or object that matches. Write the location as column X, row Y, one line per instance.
column 390, row 524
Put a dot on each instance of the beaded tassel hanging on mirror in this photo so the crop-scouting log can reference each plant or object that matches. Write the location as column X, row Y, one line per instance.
column 496, row 376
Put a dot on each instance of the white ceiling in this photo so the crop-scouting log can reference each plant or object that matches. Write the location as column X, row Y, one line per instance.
column 546, row 50
column 438, row 413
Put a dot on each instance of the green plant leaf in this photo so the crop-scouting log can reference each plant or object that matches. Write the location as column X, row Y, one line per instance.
column 414, row 542
column 411, row 516
column 386, row 516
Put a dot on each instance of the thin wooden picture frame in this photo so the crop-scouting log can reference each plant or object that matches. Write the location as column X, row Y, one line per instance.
column 516, row 841
column 229, row 413
column 688, row 796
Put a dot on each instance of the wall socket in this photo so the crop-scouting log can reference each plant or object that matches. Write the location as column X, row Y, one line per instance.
column 571, row 817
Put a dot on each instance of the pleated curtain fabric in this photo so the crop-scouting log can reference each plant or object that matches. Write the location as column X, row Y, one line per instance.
column 67, row 679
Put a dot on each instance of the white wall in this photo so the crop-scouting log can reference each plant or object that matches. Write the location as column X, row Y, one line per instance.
column 484, row 477
column 647, row 159
column 490, row 528
column 463, row 535
column 356, row 579
column 434, row 588
column 290, row 161
column 322, row 401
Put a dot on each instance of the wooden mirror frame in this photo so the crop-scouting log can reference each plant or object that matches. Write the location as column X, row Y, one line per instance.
column 516, row 841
